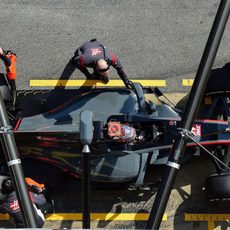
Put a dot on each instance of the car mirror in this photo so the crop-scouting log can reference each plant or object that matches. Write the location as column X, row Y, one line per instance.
column 141, row 98
column 86, row 127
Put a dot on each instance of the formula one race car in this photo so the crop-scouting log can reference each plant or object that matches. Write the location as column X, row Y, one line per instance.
column 130, row 132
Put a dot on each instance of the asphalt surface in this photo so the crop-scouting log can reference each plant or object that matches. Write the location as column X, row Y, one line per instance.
column 154, row 39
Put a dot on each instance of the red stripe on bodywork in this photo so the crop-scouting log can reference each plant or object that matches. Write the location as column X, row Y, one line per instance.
column 211, row 121
column 17, row 124
column 203, row 143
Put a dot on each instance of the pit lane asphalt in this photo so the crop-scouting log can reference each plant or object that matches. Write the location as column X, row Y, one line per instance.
column 154, row 39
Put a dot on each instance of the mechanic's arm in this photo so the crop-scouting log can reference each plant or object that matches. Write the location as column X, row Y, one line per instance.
column 117, row 65
column 9, row 59
column 11, row 74
column 3, row 56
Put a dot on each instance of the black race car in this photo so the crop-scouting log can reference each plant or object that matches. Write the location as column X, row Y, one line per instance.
column 130, row 132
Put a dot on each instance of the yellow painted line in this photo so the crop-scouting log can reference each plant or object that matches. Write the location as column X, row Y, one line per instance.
column 211, row 225
column 4, row 216
column 95, row 216
column 187, row 82
column 207, row 217
column 64, row 216
column 102, row 216
column 210, row 218
column 111, row 83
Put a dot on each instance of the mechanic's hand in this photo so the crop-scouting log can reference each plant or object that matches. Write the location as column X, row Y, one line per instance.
column 7, row 52
column 129, row 85
column 36, row 189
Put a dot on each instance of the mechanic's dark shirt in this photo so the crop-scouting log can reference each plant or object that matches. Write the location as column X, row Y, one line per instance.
column 90, row 52
column 10, row 205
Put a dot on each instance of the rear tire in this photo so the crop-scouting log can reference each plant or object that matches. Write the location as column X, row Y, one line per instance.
column 217, row 187
column 4, row 88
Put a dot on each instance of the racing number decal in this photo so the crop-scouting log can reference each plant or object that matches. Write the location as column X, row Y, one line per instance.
column 14, row 205
column 95, row 51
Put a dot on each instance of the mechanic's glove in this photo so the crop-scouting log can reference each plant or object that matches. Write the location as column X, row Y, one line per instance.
column 129, row 85
column 36, row 189
column 34, row 186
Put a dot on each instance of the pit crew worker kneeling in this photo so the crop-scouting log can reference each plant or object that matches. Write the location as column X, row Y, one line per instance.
column 9, row 203
column 9, row 58
column 93, row 54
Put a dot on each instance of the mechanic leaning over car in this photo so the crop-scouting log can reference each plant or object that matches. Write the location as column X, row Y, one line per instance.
column 9, row 203
column 93, row 54
column 9, row 58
